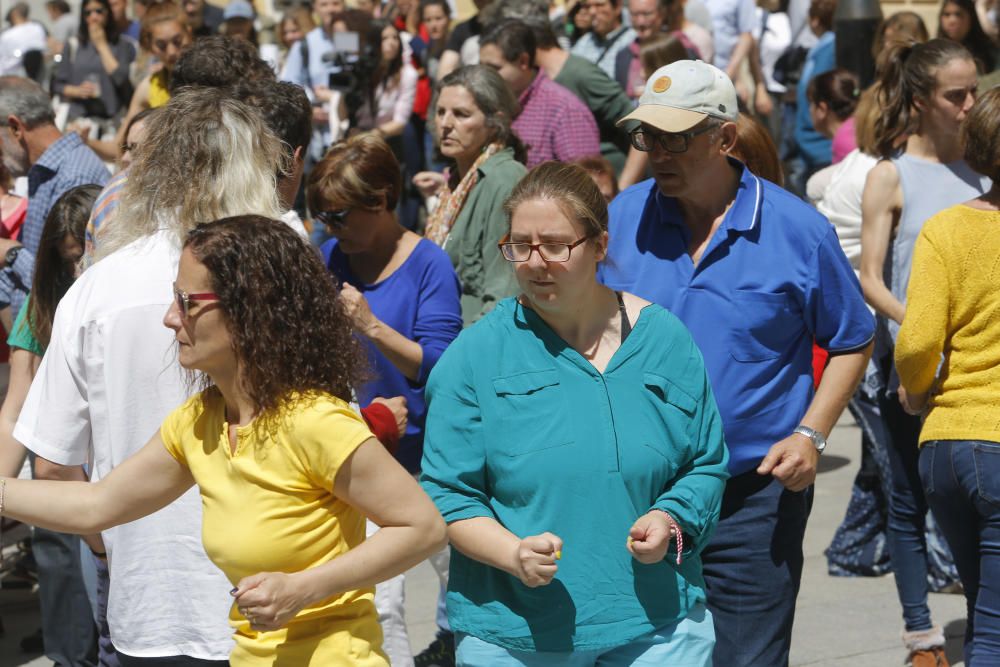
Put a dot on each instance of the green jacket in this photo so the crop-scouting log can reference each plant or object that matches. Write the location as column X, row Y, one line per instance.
column 485, row 275
column 605, row 99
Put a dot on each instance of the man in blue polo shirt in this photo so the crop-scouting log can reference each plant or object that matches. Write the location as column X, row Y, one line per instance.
column 757, row 276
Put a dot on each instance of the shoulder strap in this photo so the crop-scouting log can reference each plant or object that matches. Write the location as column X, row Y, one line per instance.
column 304, row 52
column 607, row 48
column 626, row 326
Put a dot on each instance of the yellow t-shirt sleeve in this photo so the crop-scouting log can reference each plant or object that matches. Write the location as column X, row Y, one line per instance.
column 179, row 423
column 326, row 434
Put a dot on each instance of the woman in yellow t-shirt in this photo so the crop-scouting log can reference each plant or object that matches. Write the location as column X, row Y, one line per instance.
column 164, row 34
column 286, row 469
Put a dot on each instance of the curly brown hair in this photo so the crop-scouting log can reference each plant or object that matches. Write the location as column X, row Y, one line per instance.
column 289, row 330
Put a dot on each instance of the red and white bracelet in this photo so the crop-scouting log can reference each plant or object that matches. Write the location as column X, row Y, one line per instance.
column 678, row 535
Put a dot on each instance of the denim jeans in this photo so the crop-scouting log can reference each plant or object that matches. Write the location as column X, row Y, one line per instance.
column 753, row 566
column 907, row 514
column 961, row 480
column 68, row 630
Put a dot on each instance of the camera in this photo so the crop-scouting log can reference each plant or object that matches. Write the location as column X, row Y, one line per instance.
column 352, row 63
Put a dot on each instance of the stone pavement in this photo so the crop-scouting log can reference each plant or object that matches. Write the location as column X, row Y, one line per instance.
column 840, row 621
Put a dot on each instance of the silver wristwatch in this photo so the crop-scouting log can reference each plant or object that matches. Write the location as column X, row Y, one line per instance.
column 818, row 439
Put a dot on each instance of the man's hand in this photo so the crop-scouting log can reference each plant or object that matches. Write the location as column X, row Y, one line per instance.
column 792, row 462
column 5, row 245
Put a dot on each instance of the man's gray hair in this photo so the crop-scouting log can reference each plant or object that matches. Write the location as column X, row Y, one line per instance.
column 522, row 10
column 25, row 99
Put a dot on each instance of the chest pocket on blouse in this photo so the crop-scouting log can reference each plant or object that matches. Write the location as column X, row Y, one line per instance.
column 764, row 327
column 532, row 411
column 675, row 408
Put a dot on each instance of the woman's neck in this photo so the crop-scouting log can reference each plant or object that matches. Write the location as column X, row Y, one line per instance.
column 935, row 145
column 240, row 409
column 584, row 325
column 462, row 168
column 834, row 125
column 369, row 264
column 990, row 201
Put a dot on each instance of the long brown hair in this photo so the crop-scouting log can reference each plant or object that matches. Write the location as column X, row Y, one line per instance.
column 289, row 330
column 906, row 74
column 53, row 275
column 755, row 148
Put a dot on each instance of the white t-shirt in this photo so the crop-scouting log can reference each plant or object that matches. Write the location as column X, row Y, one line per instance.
column 292, row 219
column 840, row 201
column 14, row 41
column 108, row 379
column 774, row 36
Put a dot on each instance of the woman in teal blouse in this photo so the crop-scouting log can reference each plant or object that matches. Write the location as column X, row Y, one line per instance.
column 572, row 445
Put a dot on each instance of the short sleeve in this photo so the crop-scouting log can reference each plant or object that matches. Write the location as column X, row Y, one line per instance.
column 21, row 334
column 747, row 18
column 177, row 424
column 326, row 432
column 55, row 420
column 835, row 309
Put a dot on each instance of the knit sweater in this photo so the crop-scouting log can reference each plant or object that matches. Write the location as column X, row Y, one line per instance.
column 953, row 309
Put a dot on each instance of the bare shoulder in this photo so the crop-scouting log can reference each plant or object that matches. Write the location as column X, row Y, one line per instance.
column 634, row 305
column 882, row 183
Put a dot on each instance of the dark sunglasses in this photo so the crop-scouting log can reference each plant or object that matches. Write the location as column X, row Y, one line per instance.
column 333, row 219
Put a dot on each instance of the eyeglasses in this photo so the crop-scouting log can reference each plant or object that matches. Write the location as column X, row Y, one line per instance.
column 184, row 300
column 673, row 142
column 549, row 252
column 334, row 219
column 96, row 10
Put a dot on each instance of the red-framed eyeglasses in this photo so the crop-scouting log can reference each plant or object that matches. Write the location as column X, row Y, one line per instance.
column 185, row 299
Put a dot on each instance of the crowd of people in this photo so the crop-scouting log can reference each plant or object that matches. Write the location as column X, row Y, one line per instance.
column 565, row 298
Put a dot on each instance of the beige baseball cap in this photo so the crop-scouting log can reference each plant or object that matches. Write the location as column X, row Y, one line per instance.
column 682, row 94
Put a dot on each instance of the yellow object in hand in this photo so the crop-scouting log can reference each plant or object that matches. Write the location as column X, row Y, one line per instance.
column 558, row 555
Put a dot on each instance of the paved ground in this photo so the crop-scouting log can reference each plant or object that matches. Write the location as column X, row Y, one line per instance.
column 840, row 621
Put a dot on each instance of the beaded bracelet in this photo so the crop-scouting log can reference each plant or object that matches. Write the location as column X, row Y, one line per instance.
column 678, row 535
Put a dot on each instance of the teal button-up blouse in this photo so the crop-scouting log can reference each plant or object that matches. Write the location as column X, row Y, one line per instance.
column 521, row 428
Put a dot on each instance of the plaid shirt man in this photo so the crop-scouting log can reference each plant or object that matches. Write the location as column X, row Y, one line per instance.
column 555, row 124
column 64, row 165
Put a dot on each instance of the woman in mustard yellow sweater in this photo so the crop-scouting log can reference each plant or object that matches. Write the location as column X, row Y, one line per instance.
column 948, row 359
